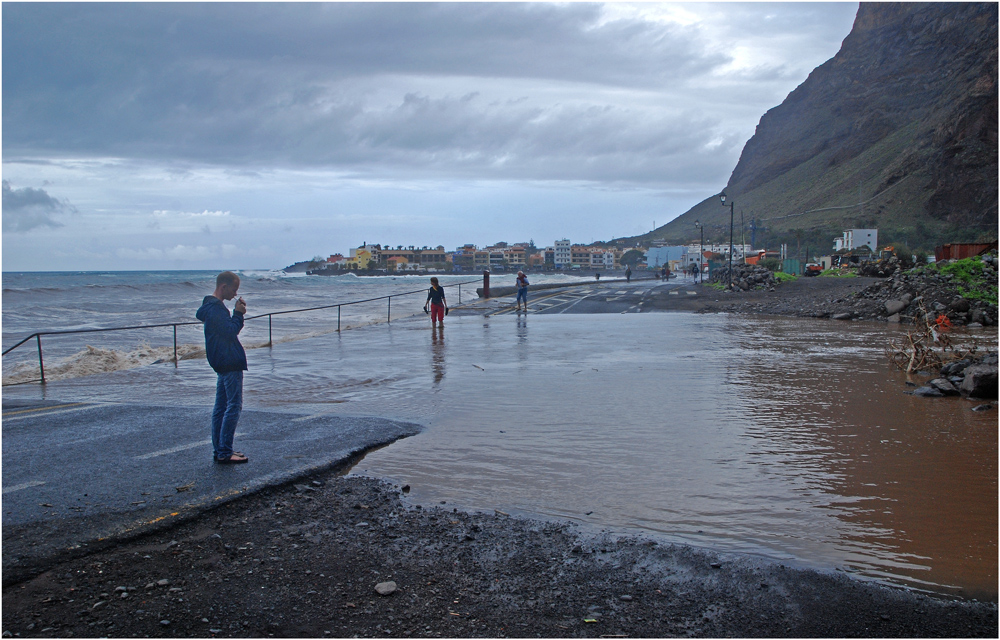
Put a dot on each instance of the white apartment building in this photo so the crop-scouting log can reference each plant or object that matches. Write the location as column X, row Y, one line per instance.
column 739, row 250
column 563, row 254
column 857, row 238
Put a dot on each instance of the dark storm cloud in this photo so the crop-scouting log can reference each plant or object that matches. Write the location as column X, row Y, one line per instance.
column 465, row 87
column 26, row 209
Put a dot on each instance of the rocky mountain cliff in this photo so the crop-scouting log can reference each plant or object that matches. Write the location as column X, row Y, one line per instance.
column 897, row 131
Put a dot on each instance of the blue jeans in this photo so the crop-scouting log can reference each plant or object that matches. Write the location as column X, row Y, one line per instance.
column 522, row 294
column 228, row 405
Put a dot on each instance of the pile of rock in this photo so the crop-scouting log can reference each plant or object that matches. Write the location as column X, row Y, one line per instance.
column 746, row 277
column 907, row 296
column 881, row 268
column 972, row 378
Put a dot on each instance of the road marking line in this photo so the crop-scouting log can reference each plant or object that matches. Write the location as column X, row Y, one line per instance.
column 56, row 406
column 691, row 293
column 673, row 293
column 52, row 413
column 180, row 447
column 23, row 485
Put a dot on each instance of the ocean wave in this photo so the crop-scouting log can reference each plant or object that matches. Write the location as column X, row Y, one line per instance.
column 268, row 274
column 95, row 360
column 90, row 288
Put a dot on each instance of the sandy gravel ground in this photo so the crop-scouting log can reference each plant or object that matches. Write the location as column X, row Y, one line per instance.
column 307, row 560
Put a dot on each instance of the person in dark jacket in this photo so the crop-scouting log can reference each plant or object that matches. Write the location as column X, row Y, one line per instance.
column 226, row 355
column 436, row 298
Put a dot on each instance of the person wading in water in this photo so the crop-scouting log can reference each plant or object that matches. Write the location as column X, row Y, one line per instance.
column 439, row 306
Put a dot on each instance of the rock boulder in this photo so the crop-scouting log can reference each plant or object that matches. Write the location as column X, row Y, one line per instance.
column 980, row 381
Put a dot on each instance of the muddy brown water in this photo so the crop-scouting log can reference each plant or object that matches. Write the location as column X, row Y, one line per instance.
column 789, row 438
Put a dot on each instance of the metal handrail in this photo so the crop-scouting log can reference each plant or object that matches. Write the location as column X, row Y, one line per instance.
column 270, row 342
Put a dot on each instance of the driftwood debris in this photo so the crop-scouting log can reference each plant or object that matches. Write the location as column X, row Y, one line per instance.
column 928, row 347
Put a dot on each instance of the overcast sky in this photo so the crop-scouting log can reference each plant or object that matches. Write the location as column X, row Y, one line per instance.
column 208, row 136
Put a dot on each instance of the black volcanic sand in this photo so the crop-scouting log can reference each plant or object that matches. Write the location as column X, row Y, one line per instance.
column 304, row 559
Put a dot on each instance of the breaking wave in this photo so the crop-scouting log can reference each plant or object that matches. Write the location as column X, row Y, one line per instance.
column 95, row 360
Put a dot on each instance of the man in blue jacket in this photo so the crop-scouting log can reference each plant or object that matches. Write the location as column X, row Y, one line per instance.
column 225, row 354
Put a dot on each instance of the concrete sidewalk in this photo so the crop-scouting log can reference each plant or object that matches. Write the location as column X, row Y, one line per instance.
column 79, row 475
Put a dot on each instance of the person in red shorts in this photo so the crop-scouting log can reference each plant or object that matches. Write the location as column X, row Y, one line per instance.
column 439, row 306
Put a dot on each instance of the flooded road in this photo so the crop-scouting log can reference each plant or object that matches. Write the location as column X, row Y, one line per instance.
column 783, row 437
column 787, row 438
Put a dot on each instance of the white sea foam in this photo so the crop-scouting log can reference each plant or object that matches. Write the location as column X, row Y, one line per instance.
column 94, row 360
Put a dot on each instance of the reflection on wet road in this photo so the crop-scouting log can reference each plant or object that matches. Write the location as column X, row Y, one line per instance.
column 608, row 297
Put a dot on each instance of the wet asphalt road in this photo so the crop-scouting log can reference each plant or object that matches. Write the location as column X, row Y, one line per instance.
column 616, row 296
column 76, row 472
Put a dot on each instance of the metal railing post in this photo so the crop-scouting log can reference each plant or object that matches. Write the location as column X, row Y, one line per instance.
column 270, row 323
column 41, row 366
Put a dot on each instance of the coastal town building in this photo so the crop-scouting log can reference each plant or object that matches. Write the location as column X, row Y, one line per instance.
column 562, row 257
column 739, row 250
column 361, row 258
column 499, row 257
column 853, row 239
column 464, row 258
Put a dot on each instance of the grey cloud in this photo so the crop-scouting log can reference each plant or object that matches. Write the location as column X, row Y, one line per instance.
column 257, row 85
column 119, row 78
column 26, row 209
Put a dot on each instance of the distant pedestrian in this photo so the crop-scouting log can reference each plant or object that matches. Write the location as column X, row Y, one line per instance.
column 666, row 272
column 522, row 290
column 628, row 274
column 694, row 270
column 226, row 356
column 439, row 305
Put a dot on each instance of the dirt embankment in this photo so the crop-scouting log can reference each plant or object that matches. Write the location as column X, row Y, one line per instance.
column 309, row 560
column 904, row 297
column 802, row 297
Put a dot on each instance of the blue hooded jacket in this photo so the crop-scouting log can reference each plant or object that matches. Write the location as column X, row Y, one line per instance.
column 222, row 331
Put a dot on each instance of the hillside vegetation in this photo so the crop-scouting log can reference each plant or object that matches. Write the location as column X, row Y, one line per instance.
column 898, row 131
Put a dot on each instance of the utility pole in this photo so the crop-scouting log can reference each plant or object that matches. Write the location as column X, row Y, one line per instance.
column 722, row 196
column 743, row 238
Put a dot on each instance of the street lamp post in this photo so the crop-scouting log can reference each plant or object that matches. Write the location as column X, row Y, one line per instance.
column 722, row 196
column 701, row 255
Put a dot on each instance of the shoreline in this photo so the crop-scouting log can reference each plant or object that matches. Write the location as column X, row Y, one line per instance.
column 304, row 559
